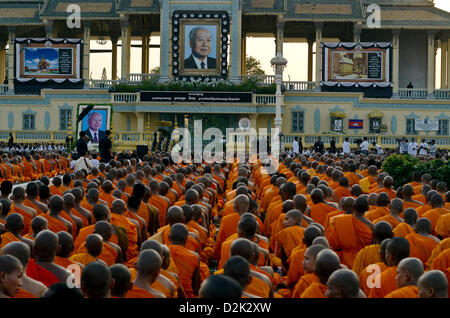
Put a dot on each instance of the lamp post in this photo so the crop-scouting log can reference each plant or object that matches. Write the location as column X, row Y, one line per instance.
column 278, row 63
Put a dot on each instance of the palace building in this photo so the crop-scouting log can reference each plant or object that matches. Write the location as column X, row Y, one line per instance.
column 359, row 83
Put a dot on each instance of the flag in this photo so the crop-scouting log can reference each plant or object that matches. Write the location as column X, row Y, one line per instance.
column 355, row 124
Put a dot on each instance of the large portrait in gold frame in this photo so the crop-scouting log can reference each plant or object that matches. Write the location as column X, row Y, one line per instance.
column 200, row 45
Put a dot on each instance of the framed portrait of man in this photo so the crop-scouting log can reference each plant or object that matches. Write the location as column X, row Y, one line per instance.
column 200, row 44
column 96, row 122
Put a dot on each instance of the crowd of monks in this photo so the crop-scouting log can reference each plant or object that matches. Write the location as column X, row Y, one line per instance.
column 321, row 226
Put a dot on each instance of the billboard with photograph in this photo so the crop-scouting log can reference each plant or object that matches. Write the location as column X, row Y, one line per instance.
column 94, row 120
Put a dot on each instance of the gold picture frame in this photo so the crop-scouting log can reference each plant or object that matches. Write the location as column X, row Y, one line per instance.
column 186, row 24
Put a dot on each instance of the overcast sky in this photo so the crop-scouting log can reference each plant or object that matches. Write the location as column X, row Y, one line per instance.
column 261, row 48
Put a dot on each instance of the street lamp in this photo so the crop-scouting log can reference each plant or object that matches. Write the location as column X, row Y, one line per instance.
column 278, row 63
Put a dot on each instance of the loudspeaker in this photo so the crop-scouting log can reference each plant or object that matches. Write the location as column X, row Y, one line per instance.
column 141, row 151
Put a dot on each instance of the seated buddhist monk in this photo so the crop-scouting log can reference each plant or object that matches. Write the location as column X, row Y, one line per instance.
column 350, row 233
column 371, row 253
column 148, row 268
column 133, row 205
column 122, row 280
column 14, row 229
column 396, row 250
column 106, row 195
column 118, row 220
column 327, row 262
column 111, row 252
column 68, row 213
column 291, row 236
column 344, row 283
column 96, row 281
column 30, row 288
column 187, row 261
column 319, row 209
column 308, row 265
column 342, row 190
column 32, row 191
column 433, row 284
column 94, row 247
column 18, row 207
column 157, row 200
column 407, row 194
column 409, row 271
column 65, row 250
column 403, row 229
column 55, row 186
column 42, row 267
column 395, row 211
column 38, row 224
column 30, row 170
column 421, row 242
column 437, row 210
column 381, row 209
column 228, row 224
column 55, row 222
column 11, row 271
column 238, row 268
column 220, row 286
column 84, row 214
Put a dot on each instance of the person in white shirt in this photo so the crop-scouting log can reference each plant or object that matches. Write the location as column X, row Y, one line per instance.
column 94, row 161
column 346, row 147
column 412, row 147
column 295, row 146
column 423, row 148
column 378, row 148
column 83, row 163
column 364, row 146
column 433, row 147
column 306, row 152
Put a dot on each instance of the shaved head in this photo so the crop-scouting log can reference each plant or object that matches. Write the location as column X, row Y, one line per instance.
column 408, row 271
column 433, row 284
column 321, row 240
column 122, row 280
column 66, row 246
column 327, row 262
column 94, row 244
column 311, row 232
column 343, row 283
column 149, row 264
column 175, row 215
column 382, row 231
column 242, row 247
column 18, row 249
column 96, row 280
column 238, row 268
column 152, row 245
column 178, row 233
column 45, row 246
column 220, row 286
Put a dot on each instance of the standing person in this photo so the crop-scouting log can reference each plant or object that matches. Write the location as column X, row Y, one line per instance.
column 82, row 147
column 433, row 147
column 295, row 146
column 364, row 146
column 378, row 148
column 318, row 146
column 105, row 147
column 412, row 147
column 333, row 145
column 403, row 146
column 423, row 148
column 346, row 146
column 10, row 141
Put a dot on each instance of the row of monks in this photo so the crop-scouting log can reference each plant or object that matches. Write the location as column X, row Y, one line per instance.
column 321, row 226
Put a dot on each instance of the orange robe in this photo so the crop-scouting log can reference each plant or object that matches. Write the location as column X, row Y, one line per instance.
column 377, row 213
column 442, row 246
column 26, row 218
column 191, row 242
column 420, row 246
column 107, row 197
column 228, row 226
column 63, row 262
column 162, row 206
column 83, row 258
column 187, row 262
column 85, row 232
column 368, row 255
column 319, row 212
column 132, row 233
column 108, row 254
column 315, row 290
column 24, row 294
column 8, row 237
column 295, row 261
column 27, row 202
column 387, row 283
column 303, row 284
column 273, row 212
column 443, row 225
column 347, row 235
column 54, row 224
column 402, row 230
column 442, row 261
column 136, row 292
column 225, row 251
column 390, row 219
column 55, row 190
column 289, row 238
column 409, row 291
column 434, row 214
column 367, row 273
column 41, row 274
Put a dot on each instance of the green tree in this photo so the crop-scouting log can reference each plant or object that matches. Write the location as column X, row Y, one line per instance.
column 253, row 66
column 155, row 70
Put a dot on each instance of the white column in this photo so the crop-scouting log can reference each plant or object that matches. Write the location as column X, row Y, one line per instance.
column 395, row 61
column 444, row 45
column 319, row 27
column 431, row 66
column 11, row 36
column 126, row 42
column 86, row 51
